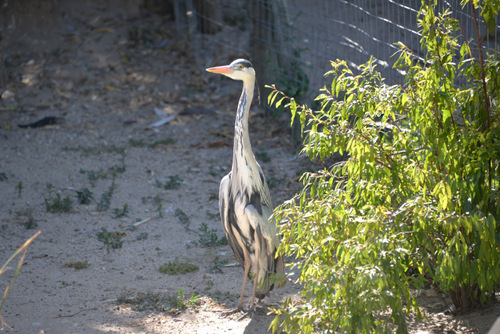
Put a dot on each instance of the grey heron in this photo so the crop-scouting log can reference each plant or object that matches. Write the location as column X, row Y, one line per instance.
column 244, row 199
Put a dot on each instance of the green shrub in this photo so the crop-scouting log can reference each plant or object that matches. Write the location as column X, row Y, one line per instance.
column 417, row 199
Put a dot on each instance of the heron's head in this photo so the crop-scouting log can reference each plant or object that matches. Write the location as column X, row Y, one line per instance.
column 240, row 69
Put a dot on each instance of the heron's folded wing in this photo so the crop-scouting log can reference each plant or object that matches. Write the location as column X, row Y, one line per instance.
column 261, row 224
column 226, row 208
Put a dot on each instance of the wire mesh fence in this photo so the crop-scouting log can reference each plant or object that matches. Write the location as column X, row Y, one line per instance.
column 291, row 42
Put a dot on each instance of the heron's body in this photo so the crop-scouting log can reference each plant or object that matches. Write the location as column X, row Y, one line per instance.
column 244, row 200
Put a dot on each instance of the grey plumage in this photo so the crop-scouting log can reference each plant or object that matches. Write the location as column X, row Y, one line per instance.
column 244, row 199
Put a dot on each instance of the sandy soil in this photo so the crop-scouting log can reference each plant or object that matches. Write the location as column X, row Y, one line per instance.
column 101, row 69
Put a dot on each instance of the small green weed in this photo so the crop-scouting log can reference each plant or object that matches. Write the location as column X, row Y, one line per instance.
column 56, row 203
column 262, row 156
column 211, row 215
column 84, row 196
column 121, row 212
column 216, row 268
column 177, row 301
column 30, row 222
column 137, row 142
column 19, row 189
column 105, row 201
column 121, row 167
column 210, row 285
column 166, row 141
column 3, row 177
column 174, row 182
column 156, row 201
column 159, row 206
column 93, row 175
column 210, row 238
column 142, row 236
column 183, row 218
column 111, row 239
column 177, row 268
column 215, row 170
column 65, row 284
column 273, row 182
column 78, row 265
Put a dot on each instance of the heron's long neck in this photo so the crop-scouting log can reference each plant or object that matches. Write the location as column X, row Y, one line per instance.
column 242, row 148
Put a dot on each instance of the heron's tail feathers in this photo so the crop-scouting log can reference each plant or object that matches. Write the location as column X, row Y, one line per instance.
column 275, row 276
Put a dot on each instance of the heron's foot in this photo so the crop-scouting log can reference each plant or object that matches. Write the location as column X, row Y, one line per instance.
column 237, row 309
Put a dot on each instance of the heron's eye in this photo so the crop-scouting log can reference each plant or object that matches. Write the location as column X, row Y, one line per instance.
column 240, row 67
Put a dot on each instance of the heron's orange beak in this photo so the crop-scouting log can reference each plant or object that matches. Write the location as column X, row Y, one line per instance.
column 221, row 70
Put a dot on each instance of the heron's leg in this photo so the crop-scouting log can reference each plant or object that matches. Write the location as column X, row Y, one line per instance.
column 256, row 270
column 246, row 259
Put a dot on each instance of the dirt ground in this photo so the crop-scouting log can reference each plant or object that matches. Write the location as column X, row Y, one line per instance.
column 101, row 69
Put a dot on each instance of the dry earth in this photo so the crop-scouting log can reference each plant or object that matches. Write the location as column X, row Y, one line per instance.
column 101, row 69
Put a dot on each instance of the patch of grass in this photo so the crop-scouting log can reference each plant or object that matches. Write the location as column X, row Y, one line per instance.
column 173, row 182
column 105, row 201
column 121, row 212
column 183, row 218
column 111, row 239
column 137, row 142
column 84, row 196
column 55, row 203
column 214, row 196
column 262, row 156
column 65, row 284
column 159, row 302
column 177, row 268
column 78, row 265
column 143, row 143
column 95, row 150
column 274, row 182
column 209, row 237
column 166, row 141
column 94, row 175
column 3, row 177
column 145, row 302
